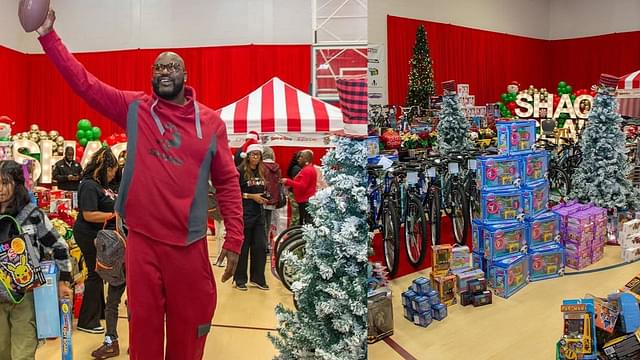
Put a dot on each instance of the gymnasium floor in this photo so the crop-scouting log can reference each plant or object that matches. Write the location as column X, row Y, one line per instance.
column 525, row 326
column 240, row 325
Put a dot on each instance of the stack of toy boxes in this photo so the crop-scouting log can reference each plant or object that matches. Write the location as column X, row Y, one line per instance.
column 461, row 267
column 630, row 240
column 442, row 280
column 583, row 230
column 513, row 187
column 476, row 293
column 422, row 304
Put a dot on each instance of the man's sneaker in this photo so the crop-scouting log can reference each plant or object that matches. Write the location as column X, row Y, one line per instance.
column 261, row 287
column 107, row 351
column 95, row 330
column 241, row 287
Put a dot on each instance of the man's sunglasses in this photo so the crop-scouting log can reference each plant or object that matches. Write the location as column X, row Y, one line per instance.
column 170, row 67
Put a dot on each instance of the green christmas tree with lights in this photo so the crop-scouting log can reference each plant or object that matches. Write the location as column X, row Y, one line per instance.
column 330, row 286
column 421, row 86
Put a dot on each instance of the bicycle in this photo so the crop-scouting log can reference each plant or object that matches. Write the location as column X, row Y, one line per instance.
column 383, row 216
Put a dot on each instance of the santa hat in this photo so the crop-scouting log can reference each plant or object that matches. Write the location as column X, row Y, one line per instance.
column 246, row 145
column 253, row 135
column 515, row 83
column 251, row 148
column 608, row 81
column 449, row 87
column 6, row 120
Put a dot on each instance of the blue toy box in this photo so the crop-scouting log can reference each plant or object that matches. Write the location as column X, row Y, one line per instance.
column 546, row 262
column 543, row 230
column 534, row 166
column 499, row 172
column 629, row 311
column 421, row 286
column 420, row 304
column 46, row 303
column 477, row 239
column 504, row 240
column 466, row 277
column 516, row 137
column 408, row 313
column 509, row 275
column 407, row 298
column 536, row 198
column 423, row 319
column 439, row 311
column 479, row 262
column 434, row 297
column 500, row 206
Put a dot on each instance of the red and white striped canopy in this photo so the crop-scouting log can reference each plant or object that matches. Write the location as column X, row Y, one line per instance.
column 277, row 107
column 630, row 81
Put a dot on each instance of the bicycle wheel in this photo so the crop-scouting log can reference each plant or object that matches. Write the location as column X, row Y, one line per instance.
column 459, row 215
column 434, row 215
column 391, row 236
column 415, row 229
column 295, row 233
column 560, row 184
column 286, row 273
column 285, row 235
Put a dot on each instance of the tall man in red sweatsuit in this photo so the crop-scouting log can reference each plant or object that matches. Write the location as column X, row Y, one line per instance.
column 175, row 145
column 304, row 185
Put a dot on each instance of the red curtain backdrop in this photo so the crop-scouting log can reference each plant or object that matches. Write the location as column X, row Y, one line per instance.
column 220, row 75
column 14, row 97
column 580, row 62
column 489, row 61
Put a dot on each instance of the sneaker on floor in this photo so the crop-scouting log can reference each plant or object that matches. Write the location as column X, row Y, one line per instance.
column 259, row 286
column 95, row 330
column 241, row 287
column 107, row 351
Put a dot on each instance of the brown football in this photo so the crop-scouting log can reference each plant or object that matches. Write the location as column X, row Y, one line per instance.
column 32, row 13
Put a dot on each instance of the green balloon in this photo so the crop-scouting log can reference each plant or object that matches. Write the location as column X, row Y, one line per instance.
column 81, row 134
column 562, row 84
column 83, row 142
column 96, row 132
column 573, row 97
column 500, row 104
column 568, row 89
column 504, row 97
column 84, row 124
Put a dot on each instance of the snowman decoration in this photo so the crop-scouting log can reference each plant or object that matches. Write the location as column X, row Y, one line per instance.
column 5, row 128
column 513, row 87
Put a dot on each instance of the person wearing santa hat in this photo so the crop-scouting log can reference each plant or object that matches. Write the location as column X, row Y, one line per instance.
column 254, row 197
column 251, row 138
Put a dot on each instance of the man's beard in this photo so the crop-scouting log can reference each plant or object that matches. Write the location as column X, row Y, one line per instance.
column 164, row 92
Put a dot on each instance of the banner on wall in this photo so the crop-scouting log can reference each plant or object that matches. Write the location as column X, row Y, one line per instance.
column 376, row 74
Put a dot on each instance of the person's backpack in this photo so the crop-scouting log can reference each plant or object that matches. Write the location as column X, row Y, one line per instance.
column 19, row 264
column 110, row 248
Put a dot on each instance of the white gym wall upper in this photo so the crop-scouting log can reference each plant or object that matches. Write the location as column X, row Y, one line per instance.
column 97, row 25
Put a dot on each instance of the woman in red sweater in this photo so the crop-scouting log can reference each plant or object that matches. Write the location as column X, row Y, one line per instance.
column 304, row 184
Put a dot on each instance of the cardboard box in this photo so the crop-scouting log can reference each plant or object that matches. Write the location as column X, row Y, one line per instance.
column 380, row 317
column 46, row 303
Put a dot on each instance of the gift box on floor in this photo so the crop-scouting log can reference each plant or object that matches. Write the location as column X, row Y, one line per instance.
column 546, row 262
column 509, row 275
column 46, row 303
column 543, row 230
column 536, row 198
column 421, row 286
column 577, row 260
column 465, row 277
column 460, row 259
column 504, row 240
column 380, row 323
column 631, row 254
column 424, row 318
column 477, row 236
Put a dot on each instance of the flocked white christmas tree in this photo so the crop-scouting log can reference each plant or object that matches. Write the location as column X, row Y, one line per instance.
column 453, row 126
column 601, row 177
column 331, row 288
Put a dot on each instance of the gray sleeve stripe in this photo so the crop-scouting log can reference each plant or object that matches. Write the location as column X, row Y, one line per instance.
column 198, row 212
column 127, row 175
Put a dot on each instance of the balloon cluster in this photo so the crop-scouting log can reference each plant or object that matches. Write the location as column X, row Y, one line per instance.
column 36, row 135
column 116, row 139
column 86, row 132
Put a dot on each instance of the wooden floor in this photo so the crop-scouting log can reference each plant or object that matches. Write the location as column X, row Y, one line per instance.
column 525, row 326
column 241, row 323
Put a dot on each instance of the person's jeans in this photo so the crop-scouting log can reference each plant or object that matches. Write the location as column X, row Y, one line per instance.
column 267, row 227
column 114, row 295
column 254, row 245
column 305, row 217
column 92, row 309
column 18, row 339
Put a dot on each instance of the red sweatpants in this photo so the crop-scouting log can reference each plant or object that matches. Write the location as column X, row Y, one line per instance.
column 168, row 281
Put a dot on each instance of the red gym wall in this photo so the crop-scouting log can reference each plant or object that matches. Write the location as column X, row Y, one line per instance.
column 36, row 93
column 488, row 61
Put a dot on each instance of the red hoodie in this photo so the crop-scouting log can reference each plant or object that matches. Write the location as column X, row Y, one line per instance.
column 304, row 184
column 172, row 151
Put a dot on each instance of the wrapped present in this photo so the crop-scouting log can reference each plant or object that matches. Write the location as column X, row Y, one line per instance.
column 380, row 317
